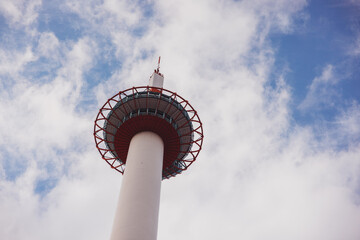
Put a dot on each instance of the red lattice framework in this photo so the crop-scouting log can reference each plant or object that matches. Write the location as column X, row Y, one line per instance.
column 153, row 109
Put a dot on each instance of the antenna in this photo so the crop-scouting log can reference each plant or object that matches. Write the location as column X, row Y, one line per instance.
column 158, row 68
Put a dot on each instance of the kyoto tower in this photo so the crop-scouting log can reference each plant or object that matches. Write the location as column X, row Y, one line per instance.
column 148, row 134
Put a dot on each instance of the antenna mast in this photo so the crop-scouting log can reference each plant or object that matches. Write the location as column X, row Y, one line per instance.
column 158, row 68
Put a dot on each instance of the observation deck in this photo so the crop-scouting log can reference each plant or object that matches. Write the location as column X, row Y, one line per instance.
column 154, row 109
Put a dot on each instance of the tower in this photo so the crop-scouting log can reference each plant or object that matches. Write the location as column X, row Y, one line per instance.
column 148, row 134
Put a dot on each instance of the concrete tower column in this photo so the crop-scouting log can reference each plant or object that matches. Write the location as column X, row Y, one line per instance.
column 136, row 217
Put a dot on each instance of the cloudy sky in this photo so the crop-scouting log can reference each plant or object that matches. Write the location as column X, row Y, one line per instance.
column 275, row 83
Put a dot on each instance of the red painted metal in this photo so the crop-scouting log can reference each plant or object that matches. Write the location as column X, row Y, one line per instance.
column 175, row 159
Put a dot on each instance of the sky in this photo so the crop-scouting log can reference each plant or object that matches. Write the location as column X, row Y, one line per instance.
column 275, row 83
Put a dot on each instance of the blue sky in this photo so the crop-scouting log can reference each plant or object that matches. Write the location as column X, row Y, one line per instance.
column 275, row 83
column 325, row 36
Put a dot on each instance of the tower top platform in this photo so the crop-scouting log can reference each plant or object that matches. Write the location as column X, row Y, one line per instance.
column 149, row 108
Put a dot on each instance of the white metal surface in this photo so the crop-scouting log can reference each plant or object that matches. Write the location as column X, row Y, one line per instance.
column 136, row 217
column 156, row 80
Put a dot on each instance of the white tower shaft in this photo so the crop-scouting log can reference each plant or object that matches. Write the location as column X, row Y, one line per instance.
column 136, row 217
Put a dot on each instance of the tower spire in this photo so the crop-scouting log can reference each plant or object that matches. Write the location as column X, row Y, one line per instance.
column 156, row 79
column 158, row 68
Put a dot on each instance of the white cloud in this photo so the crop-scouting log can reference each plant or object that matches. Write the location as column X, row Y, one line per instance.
column 355, row 2
column 124, row 13
column 20, row 12
column 45, row 135
column 13, row 62
column 355, row 50
column 48, row 45
column 321, row 91
column 347, row 125
column 43, row 115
